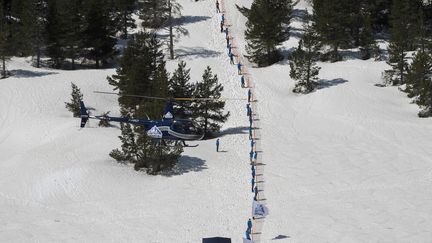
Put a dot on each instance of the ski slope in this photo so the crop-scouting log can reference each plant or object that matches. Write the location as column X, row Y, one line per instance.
column 347, row 163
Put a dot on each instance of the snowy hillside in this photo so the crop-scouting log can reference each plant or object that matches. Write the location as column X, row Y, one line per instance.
column 347, row 163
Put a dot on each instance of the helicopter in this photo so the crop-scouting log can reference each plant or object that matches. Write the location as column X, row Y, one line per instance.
column 168, row 128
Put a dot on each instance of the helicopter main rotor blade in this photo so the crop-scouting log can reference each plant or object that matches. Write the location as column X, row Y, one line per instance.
column 161, row 98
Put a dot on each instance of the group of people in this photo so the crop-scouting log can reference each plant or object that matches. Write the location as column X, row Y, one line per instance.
column 253, row 153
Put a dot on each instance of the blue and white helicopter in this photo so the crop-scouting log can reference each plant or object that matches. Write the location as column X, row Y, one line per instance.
column 168, row 128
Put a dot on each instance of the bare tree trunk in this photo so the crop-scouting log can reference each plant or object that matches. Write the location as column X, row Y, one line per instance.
column 38, row 56
column 4, row 67
column 171, row 45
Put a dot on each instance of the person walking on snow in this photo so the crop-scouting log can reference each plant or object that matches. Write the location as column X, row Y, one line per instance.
column 223, row 18
column 249, row 95
column 217, row 7
column 239, row 68
column 229, row 50
column 242, row 80
column 249, row 224
column 227, row 40
column 226, row 32
column 256, row 193
column 221, row 26
column 231, row 56
column 217, row 145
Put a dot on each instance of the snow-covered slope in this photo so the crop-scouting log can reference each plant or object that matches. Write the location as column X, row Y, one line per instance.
column 347, row 163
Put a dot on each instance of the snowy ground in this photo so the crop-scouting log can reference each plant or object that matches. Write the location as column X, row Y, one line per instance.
column 347, row 163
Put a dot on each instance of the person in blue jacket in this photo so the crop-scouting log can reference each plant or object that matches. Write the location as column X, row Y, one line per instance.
column 248, row 109
column 249, row 94
column 242, row 81
column 217, row 145
column 239, row 68
column 249, row 224
column 253, row 183
column 223, row 18
column 231, row 56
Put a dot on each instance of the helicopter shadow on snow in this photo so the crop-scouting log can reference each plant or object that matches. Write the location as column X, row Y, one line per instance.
column 196, row 52
column 185, row 165
column 234, row 130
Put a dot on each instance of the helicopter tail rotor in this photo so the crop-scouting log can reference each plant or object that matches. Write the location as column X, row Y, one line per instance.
column 83, row 114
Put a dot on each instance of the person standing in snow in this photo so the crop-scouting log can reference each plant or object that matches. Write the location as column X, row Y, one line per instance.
column 253, row 171
column 256, row 193
column 221, row 26
column 217, row 145
column 217, row 7
column 227, row 40
column 242, row 81
column 249, row 95
column 248, row 110
column 223, row 18
column 253, row 183
column 239, row 68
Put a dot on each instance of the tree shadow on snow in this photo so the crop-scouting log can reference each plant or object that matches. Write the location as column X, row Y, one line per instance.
column 325, row 83
column 20, row 73
column 196, row 52
column 185, row 165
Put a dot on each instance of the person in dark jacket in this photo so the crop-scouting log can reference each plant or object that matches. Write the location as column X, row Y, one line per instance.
column 217, row 145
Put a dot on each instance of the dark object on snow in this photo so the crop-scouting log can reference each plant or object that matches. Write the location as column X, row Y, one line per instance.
column 216, row 240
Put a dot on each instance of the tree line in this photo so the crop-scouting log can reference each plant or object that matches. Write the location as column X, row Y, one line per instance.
column 67, row 31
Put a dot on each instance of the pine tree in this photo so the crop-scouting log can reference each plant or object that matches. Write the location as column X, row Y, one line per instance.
column 99, row 31
column 209, row 114
column 6, row 49
column 124, row 10
column 402, row 38
column 128, row 148
column 74, row 105
column 179, row 86
column 31, row 32
column 71, row 15
column 137, row 70
column 332, row 24
column 142, row 71
column 154, row 13
column 267, row 27
column 303, row 63
column 54, row 30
